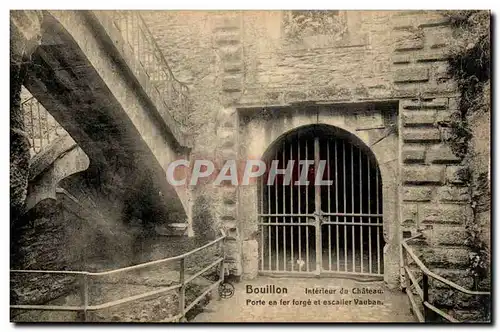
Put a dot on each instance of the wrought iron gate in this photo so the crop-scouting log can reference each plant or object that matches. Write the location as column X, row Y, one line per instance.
column 321, row 229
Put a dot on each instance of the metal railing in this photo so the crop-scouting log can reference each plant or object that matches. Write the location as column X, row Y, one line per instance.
column 84, row 307
column 41, row 127
column 138, row 37
column 411, row 284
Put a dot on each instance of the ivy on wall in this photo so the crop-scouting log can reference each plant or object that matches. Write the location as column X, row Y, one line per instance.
column 469, row 65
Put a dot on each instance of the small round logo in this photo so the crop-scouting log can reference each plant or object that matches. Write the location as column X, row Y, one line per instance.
column 226, row 290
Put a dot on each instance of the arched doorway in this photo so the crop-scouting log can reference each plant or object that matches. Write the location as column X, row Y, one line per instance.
column 329, row 227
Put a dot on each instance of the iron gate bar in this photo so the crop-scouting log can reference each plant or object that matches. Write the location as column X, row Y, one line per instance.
column 355, row 215
column 299, row 208
column 317, row 203
column 329, row 200
column 307, row 209
column 336, row 206
column 377, row 211
column 291, row 207
column 361, row 210
column 369, row 218
column 276, row 219
column 284, row 209
column 345, row 206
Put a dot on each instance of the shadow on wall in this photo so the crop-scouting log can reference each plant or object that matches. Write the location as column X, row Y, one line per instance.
column 203, row 219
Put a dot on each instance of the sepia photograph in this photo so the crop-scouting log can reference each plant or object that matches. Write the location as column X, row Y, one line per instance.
column 250, row 166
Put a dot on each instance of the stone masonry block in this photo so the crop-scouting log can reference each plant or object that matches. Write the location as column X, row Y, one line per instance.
column 411, row 75
column 227, row 212
column 250, row 259
column 438, row 37
column 453, row 194
column 407, row 40
column 445, row 235
column 417, row 193
column 401, row 58
column 419, row 118
column 229, row 194
column 232, row 249
column 413, row 154
column 226, row 22
column 420, row 135
column 455, row 174
column 441, row 154
column 409, row 214
column 421, row 104
column 227, row 37
column 423, row 174
column 461, row 277
column 444, row 213
column 432, row 55
column 445, row 257
column 231, row 54
column 232, row 83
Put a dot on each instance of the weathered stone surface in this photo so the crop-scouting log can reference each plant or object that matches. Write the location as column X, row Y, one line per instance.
column 231, row 83
column 417, row 194
column 461, row 277
column 445, row 235
column 419, row 118
column 453, row 194
column 406, row 40
column 445, row 257
column 422, row 104
column 413, row 154
column 250, row 259
column 441, row 154
column 227, row 211
column 232, row 250
column 422, row 174
column 229, row 194
column 456, row 174
column 409, row 214
column 444, row 213
column 411, row 75
column 419, row 135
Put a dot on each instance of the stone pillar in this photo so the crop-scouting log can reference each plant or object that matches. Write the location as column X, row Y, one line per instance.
column 227, row 39
column 25, row 36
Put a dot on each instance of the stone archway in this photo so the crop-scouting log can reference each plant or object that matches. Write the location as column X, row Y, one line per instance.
column 259, row 135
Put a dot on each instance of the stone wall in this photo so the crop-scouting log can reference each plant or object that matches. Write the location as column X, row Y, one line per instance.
column 246, row 60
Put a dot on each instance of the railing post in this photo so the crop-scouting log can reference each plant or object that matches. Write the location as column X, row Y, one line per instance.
column 404, row 263
column 84, row 295
column 182, row 290
column 425, row 290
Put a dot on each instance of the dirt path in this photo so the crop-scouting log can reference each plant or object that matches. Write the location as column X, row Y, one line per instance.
column 385, row 306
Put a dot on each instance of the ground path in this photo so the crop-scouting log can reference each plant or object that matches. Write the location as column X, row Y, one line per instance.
column 389, row 306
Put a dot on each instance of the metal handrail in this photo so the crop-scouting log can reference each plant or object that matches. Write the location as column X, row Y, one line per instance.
column 41, row 127
column 85, row 307
column 423, row 292
column 147, row 52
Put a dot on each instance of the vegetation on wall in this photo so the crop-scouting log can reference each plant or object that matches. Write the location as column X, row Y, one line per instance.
column 469, row 65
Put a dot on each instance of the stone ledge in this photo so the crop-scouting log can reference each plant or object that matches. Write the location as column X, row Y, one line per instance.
column 442, row 154
column 411, row 75
column 417, row 194
column 444, row 213
column 422, row 174
column 419, row 118
column 414, row 135
column 413, row 155
column 423, row 104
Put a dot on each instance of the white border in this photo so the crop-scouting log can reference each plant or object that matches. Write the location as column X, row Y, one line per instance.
column 187, row 4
